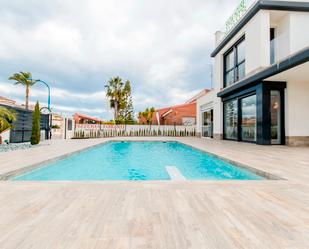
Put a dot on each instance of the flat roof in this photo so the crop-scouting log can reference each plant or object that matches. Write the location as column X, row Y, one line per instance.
column 259, row 5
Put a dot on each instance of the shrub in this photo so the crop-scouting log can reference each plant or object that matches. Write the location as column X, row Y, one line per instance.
column 35, row 135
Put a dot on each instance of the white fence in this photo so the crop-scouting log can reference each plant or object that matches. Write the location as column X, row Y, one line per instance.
column 100, row 131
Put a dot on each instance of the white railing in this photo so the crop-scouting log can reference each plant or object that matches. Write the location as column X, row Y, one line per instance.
column 134, row 130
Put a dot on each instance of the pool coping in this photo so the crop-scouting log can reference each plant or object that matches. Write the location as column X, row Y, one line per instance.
column 266, row 175
column 11, row 174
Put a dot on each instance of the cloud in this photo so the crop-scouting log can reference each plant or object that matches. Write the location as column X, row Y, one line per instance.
column 163, row 47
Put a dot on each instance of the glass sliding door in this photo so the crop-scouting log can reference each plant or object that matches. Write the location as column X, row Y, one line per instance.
column 275, row 112
column 231, row 119
column 248, row 119
column 207, row 125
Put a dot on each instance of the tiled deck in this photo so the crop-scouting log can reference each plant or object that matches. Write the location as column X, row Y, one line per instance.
column 200, row 214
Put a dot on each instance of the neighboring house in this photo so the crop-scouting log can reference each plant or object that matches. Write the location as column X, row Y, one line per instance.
column 6, row 101
column 261, row 78
column 183, row 114
column 84, row 119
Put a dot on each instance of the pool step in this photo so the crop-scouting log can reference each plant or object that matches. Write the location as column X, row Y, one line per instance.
column 174, row 173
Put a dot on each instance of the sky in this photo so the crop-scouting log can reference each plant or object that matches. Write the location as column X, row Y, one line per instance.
column 163, row 47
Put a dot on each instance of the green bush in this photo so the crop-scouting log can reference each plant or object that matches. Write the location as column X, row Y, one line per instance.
column 35, row 135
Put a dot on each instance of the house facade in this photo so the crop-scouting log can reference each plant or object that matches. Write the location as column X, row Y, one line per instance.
column 261, row 77
column 182, row 114
column 84, row 119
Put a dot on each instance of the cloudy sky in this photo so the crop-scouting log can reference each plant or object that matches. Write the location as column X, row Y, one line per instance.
column 161, row 46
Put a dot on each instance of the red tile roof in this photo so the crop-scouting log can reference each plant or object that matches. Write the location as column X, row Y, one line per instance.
column 83, row 116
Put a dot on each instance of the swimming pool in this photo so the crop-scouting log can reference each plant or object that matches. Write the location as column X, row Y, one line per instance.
column 139, row 161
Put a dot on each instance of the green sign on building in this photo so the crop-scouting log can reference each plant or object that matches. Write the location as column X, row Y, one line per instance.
column 234, row 18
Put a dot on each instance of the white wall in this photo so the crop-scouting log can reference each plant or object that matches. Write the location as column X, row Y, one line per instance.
column 297, row 104
column 282, row 37
column 257, row 42
column 257, row 47
column 62, row 133
column 299, row 31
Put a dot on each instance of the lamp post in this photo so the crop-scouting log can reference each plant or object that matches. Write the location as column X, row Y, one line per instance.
column 48, row 101
column 49, row 134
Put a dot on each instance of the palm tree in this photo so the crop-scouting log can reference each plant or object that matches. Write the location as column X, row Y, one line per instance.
column 114, row 93
column 6, row 118
column 147, row 115
column 25, row 79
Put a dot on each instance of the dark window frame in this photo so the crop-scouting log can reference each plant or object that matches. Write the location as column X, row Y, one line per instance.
column 236, row 65
column 262, row 90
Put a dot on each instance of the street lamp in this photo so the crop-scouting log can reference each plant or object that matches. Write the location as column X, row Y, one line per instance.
column 48, row 101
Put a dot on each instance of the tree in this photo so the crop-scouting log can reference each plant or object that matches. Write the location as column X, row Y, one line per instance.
column 147, row 115
column 126, row 105
column 25, row 79
column 6, row 118
column 36, row 133
column 140, row 117
column 120, row 99
column 114, row 93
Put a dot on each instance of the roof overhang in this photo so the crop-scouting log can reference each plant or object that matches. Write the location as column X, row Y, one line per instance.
column 167, row 113
column 261, row 5
column 275, row 69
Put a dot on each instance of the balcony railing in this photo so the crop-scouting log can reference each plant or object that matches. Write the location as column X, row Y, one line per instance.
column 279, row 48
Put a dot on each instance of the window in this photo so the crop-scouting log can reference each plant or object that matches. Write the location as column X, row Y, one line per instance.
column 234, row 63
column 275, row 112
column 231, row 119
column 248, row 118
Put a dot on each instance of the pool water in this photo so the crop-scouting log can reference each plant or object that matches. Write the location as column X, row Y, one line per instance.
column 138, row 161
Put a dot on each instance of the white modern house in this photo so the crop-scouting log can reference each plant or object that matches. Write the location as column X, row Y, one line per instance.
column 261, row 77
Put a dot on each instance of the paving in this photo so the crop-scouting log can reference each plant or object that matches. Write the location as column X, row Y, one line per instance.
column 159, row 214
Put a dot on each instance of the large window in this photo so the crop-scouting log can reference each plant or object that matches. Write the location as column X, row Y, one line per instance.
column 234, row 63
column 275, row 112
column 230, row 119
column 248, row 118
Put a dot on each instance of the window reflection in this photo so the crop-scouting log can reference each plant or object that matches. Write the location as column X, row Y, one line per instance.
column 275, row 117
column 248, row 118
column 230, row 119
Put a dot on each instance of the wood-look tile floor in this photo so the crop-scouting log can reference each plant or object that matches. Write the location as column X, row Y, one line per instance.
column 199, row 214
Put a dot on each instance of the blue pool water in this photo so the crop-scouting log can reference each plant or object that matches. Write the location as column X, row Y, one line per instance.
column 138, row 161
